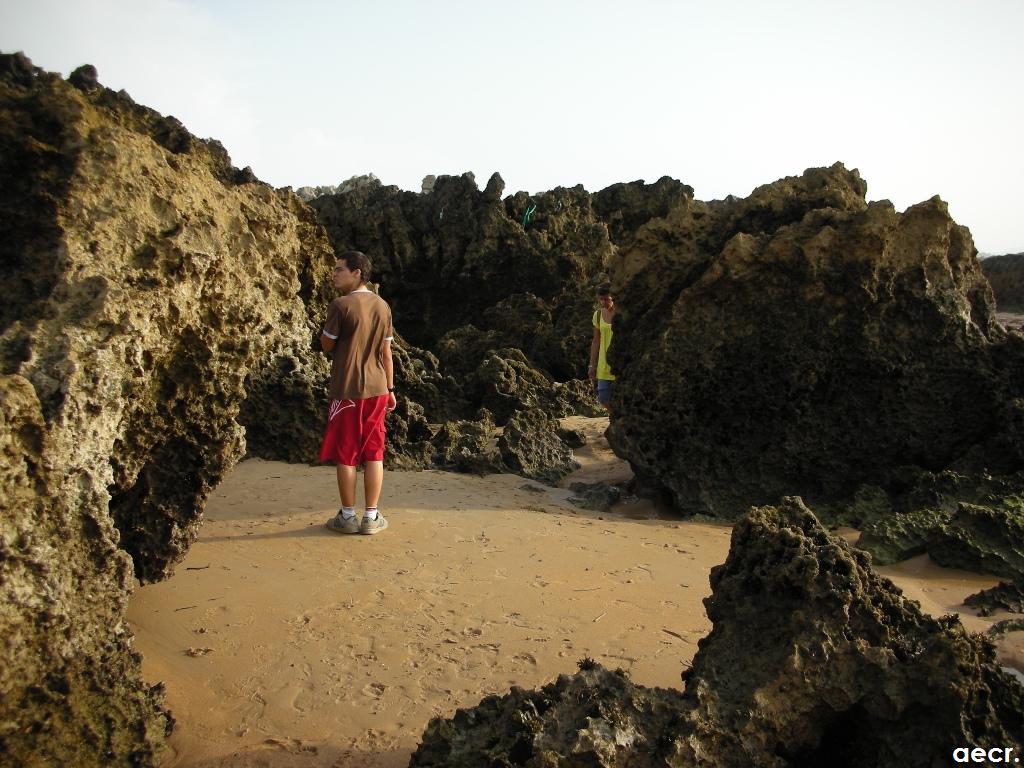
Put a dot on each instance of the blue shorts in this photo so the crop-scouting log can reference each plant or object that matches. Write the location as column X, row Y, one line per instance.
column 604, row 391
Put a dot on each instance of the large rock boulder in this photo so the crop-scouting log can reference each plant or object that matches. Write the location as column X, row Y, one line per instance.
column 813, row 659
column 150, row 288
column 804, row 341
column 531, row 446
column 1006, row 276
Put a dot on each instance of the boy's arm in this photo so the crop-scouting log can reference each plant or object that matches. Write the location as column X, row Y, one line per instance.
column 389, row 370
column 329, row 334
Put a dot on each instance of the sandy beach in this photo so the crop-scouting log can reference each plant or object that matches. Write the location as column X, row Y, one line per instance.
column 281, row 643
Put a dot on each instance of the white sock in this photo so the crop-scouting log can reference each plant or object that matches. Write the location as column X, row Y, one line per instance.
column 347, row 513
column 371, row 512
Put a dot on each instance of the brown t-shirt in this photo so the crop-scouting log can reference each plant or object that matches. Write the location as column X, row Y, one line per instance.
column 360, row 323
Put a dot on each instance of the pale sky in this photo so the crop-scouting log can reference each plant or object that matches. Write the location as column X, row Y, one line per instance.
column 924, row 97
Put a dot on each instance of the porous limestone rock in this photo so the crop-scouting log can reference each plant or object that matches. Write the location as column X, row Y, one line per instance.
column 447, row 257
column 599, row 496
column 596, row 718
column 813, row 659
column 468, row 446
column 1005, row 596
column 149, row 287
column 530, row 446
column 1006, row 276
column 802, row 340
column 70, row 688
column 961, row 521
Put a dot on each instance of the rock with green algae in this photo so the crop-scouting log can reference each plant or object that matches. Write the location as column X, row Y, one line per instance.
column 1005, row 596
column 983, row 537
column 594, row 718
column 468, row 446
column 813, row 659
column 1006, row 275
column 972, row 522
column 531, row 446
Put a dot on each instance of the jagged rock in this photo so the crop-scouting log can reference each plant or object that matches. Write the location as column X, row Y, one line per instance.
column 364, row 182
column 983, row 538
column 813, row 659
column 420, row 377
column 408, row 437
column 999, row 629
column 495, row 186
column 85, row 77
column 805, row 341
column 531, row 447
column 574, row 438
column 1006, row 276
column 595, row 718
column 71, row 692
column 468, row 446
column 427, row 185
column 446, row 256
column 599, row 497
column 1005, row 596
column 985, row 534
column 505, row 382
column 284, row 409
column 626, row 207
column 145, row 288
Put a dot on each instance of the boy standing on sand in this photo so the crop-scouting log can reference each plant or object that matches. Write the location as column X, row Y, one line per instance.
column 359, row 333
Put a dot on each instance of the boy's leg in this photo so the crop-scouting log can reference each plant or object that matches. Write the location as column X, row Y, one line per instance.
column 347, row 485
column 373, row 481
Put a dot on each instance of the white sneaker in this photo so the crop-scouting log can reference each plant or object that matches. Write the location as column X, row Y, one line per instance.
column 370, row 527
column 340, row 524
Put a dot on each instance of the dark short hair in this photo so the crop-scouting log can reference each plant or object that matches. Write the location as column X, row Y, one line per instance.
column 604, row 289
column 357, row 260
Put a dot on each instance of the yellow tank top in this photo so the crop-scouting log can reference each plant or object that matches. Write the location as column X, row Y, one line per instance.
column 604, row 371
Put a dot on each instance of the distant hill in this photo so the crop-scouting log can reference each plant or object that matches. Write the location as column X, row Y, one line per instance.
column 1006, row 274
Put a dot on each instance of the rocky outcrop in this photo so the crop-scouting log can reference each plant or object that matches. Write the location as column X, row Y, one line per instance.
column 367, row 181
column 459, row 257
column 531, row 446
column 468, row 446
column 1005, row 596
column 960, row 521
column 150, row 289
column 594, row 718
column 1006, row 276
column 808, row 342
column 599, row 496
column 813, row 659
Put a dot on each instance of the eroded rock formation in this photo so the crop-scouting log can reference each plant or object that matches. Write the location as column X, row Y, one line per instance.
column 149, row 287
column 1006, row 276
column 811, row 343
column 813, row 659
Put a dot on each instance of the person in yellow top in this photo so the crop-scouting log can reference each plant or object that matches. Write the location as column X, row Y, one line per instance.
column 599, row 369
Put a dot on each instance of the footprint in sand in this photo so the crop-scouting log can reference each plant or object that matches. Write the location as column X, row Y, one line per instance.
column 374, row 690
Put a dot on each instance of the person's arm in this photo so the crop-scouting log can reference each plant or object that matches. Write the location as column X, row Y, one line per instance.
column 389, row 371
column 331, row 329
column 595, row 348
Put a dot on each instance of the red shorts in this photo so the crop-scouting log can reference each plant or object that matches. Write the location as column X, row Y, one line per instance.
column 355, row 431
